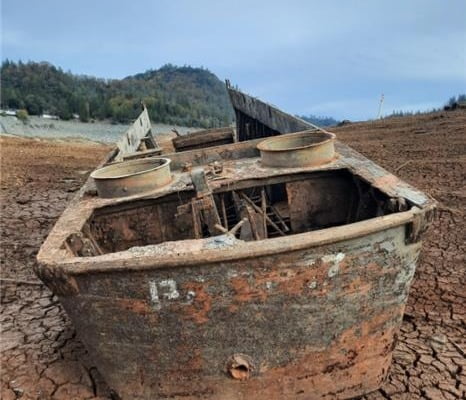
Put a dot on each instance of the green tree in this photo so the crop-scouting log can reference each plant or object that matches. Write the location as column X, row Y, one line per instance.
column 184, row 95
column 84, row 111
column 63, row 110
column 33, row 104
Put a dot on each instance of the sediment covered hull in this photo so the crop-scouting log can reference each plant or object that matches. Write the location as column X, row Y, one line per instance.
column 238, row 280
column 318, row 322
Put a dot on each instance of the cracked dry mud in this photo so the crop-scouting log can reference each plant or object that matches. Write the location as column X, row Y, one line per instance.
column 41, row 357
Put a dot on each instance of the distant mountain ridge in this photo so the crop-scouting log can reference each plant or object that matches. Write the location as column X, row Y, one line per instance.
column 173, row 95
column 319, row 121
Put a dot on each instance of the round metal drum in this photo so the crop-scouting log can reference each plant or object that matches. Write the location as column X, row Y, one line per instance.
column 128, row 178
column 302, row 149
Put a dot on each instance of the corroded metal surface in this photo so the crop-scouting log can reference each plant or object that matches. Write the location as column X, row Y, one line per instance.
column 298, row 149
column 132, row 177
column 305, row 315
column 315, row 323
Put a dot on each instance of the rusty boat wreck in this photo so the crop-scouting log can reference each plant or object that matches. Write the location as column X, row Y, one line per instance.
column 275, row 265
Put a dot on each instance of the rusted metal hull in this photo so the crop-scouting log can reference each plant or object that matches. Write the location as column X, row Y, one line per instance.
column 311, row 315
column 319, row 322
column 303, row 307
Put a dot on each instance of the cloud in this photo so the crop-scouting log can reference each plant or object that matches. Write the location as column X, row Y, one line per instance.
column 332, row 58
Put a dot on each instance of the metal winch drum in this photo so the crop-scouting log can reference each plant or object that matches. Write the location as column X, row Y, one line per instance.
column 133, row 177
column 302, row 149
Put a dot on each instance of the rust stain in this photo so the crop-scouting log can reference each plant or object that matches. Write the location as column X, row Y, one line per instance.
column 190, row 360
column 287, row 281
column 357, row 285
column 61, row 283
column 246, row 291
column 137, row 306
column 360, row 354
column 121, row 226
column 199, row 310
column 356, row 362
column 240, row 367
column 387, row 181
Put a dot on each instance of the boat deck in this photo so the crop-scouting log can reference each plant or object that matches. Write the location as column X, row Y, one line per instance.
column 241, row 168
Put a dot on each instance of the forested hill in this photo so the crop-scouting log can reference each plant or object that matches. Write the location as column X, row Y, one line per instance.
column 319, row 121
column 173, row 95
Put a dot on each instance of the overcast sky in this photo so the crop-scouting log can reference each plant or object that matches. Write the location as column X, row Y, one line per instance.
column 332, row 58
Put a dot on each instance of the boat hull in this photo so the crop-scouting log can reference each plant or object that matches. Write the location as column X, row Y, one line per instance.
column 315, row 323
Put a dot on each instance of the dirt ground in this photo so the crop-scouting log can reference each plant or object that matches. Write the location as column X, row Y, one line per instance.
column 41, row 358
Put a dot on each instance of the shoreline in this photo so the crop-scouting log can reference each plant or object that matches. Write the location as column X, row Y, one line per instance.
column 72, row 140
column 100, row 131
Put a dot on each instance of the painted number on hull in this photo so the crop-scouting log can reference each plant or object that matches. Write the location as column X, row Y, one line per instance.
column 165, row 289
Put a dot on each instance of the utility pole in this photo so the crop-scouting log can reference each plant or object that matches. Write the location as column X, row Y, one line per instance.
column 379, row 115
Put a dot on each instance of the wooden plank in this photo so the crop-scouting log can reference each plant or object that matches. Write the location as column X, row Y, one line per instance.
column 224, row 211
column 142, row 154
column 200, row 182
column 129, row 143
column 256, row 222
column 280, row 219
column 204, row 138
column 211, row 154
column 264, row 211
column 196, row 221
column 256, row 119
column 258, row 209
column 205, row 204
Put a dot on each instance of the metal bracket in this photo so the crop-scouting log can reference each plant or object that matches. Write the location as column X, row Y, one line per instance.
column 421, row 222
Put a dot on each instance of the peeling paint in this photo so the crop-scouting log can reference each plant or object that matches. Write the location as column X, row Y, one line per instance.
column 334, row 260
column 388, row 246
column 220, row 242
column 232, row 274
column 313, row 285
column 166, row 288
column 154, row 295
column 406, row 275
column 190, row 296
column 172, row 292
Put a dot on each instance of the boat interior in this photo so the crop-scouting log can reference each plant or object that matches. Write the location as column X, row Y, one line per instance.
column 253, row 202
column 257, row 210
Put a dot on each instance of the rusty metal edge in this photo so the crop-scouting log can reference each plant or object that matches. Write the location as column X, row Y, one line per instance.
column 329, row 137
column 125, row 260
column 52, row 255
column 95, row 174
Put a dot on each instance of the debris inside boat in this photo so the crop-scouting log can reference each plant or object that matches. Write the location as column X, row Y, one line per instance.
column 266, row 261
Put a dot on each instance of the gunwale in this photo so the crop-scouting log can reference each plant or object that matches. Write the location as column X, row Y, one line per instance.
column 52, row 255
column 243, row 158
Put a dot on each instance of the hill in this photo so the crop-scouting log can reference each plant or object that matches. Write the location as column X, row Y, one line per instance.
column 173, row 95
column 319, row 121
